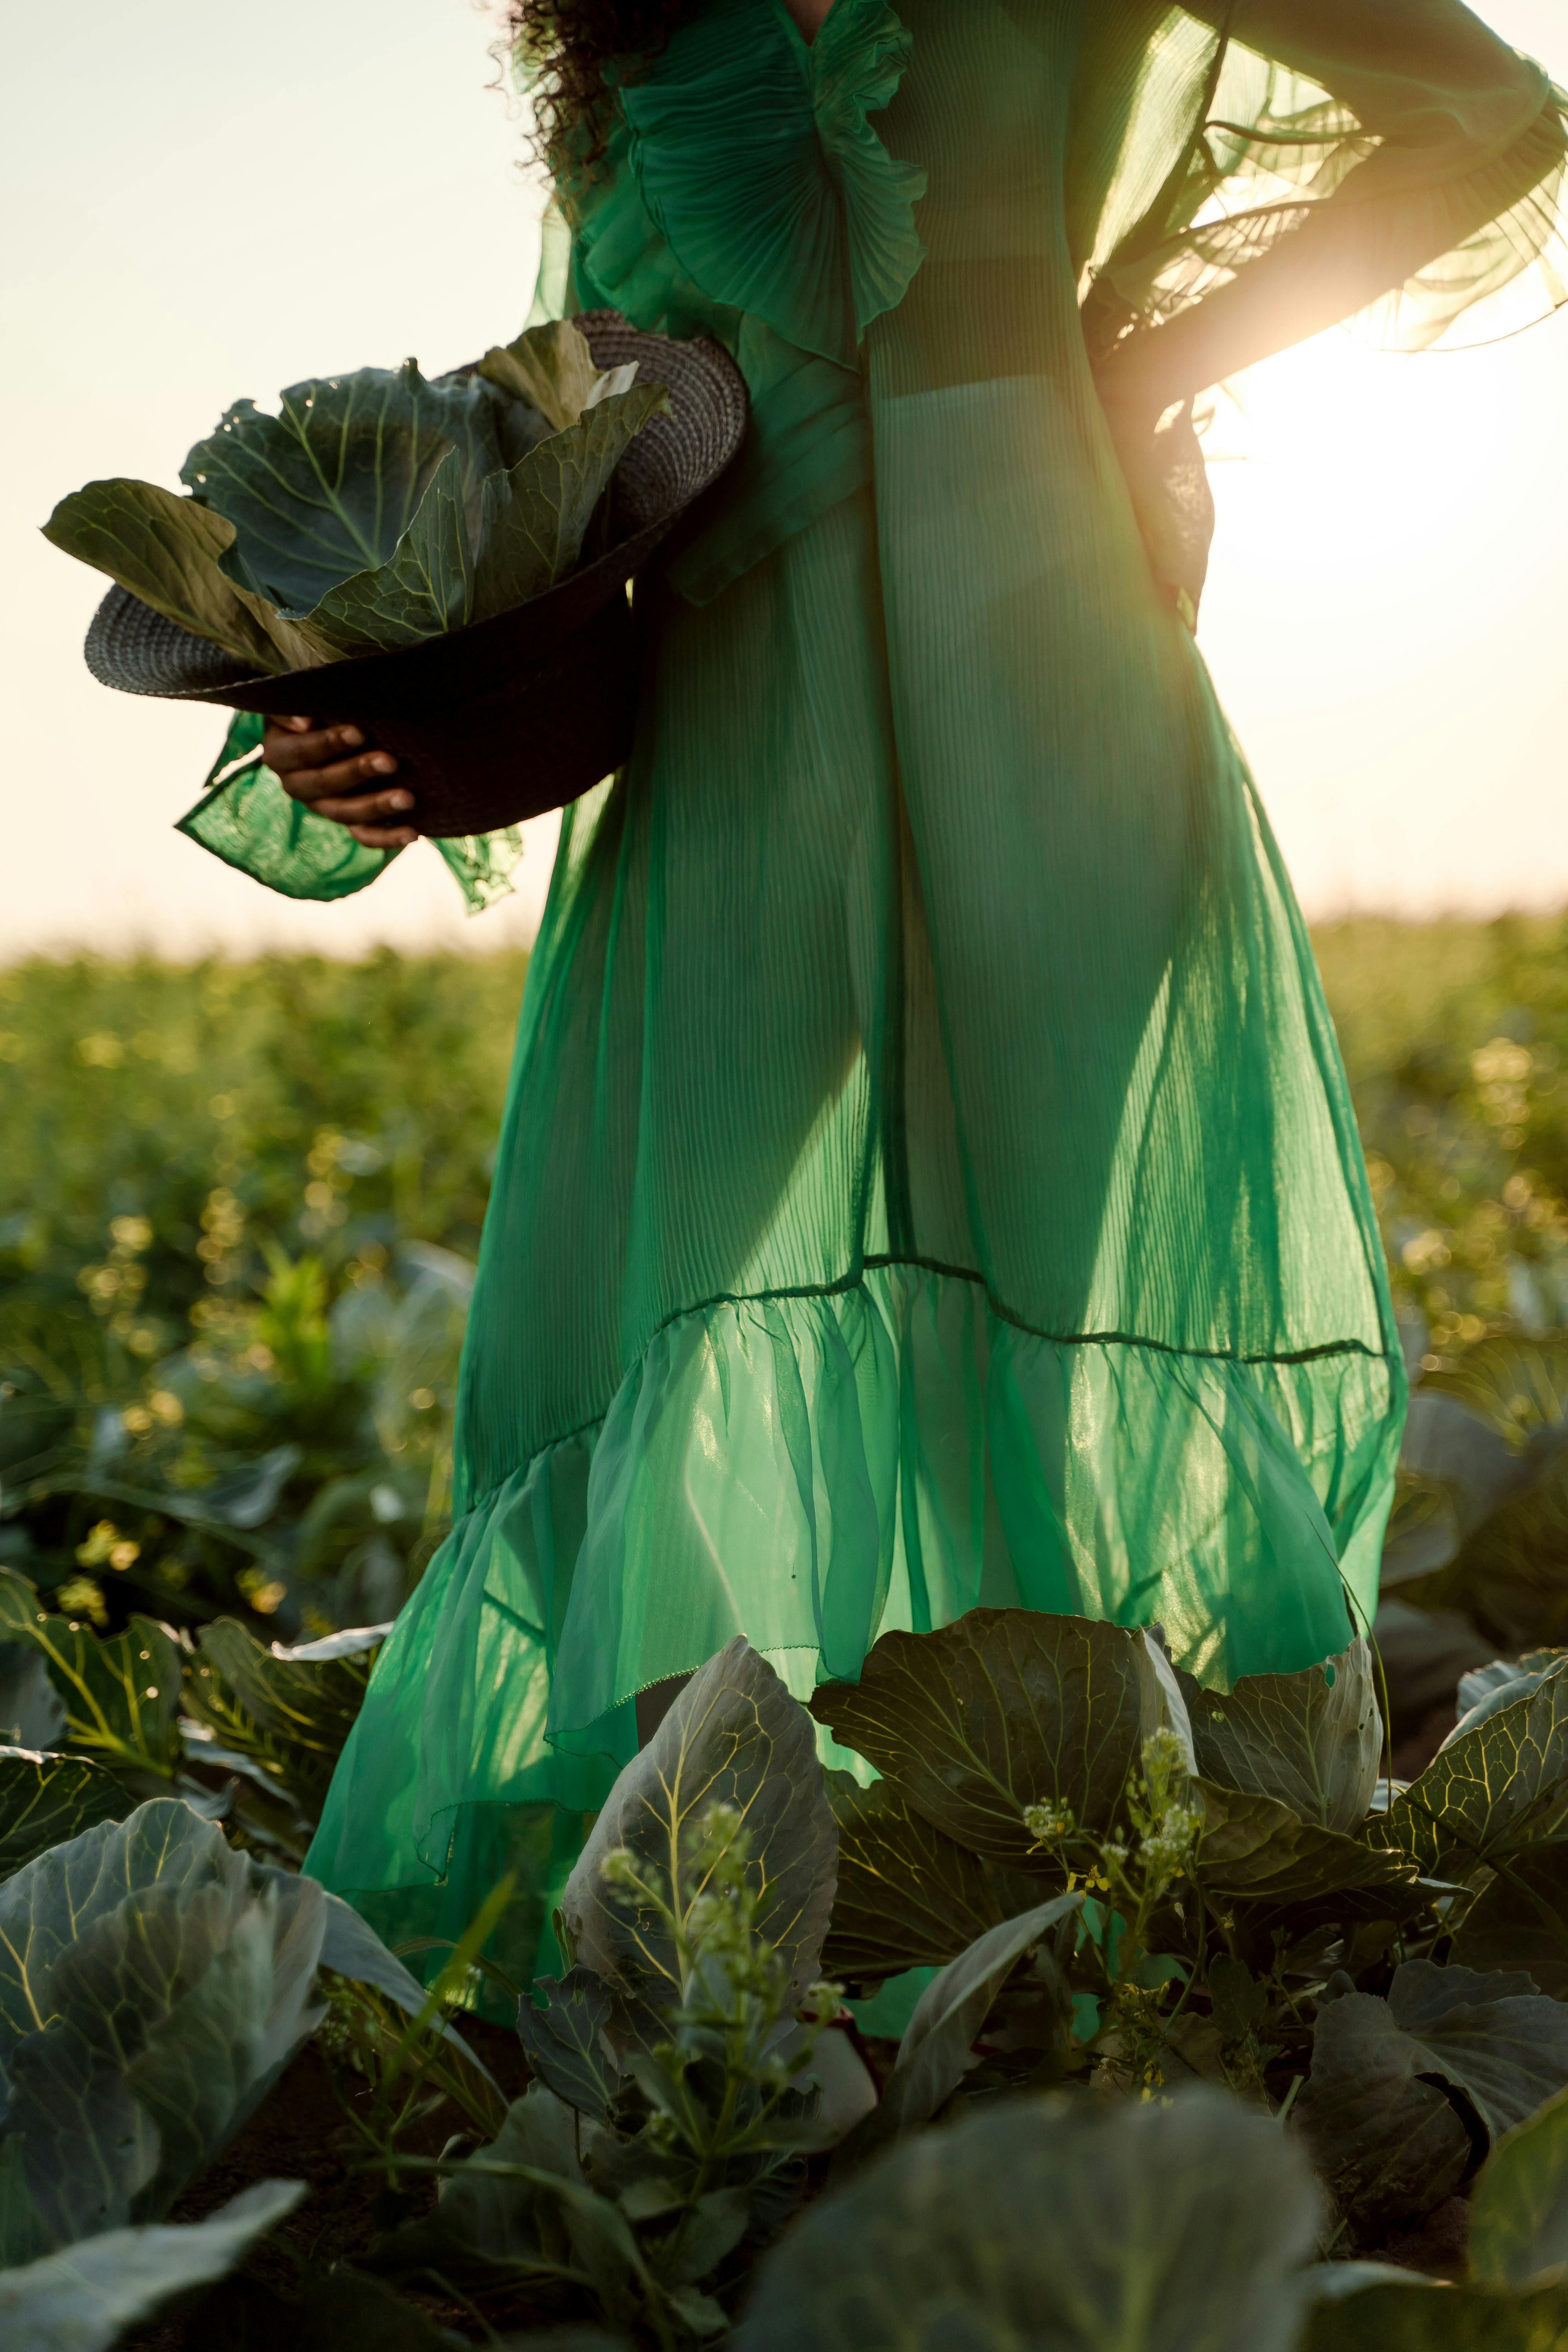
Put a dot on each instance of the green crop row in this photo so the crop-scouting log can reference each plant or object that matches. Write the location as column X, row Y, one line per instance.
column 239, row 1207
column 1216, row 2019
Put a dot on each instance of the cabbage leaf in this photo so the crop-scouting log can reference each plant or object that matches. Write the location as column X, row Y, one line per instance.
column 153, row 1984
column 378, row 510
column 532, row 520
column 45, row 1797
column 167, row 551
column 425, row 586
column 329, row 486
column 81, row 2300
column 551, row 369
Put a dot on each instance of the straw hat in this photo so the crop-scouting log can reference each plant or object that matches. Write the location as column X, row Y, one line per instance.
column 520, row 713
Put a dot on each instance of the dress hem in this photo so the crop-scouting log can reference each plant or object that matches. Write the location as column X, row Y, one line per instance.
column 813, row 1469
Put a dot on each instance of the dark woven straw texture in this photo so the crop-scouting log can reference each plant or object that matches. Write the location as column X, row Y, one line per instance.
column 132, row 647
column 675, row 457
column 518, row 714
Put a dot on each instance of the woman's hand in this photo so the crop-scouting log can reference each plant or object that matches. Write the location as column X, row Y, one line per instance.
column 325, row 768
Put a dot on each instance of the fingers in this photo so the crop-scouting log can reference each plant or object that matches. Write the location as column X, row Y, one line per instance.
column 373, row 836
column 341, row 780
column 360, row 817
column 295, row 744
column 340, row 793
column 324, row 768
column 359, row 808
column 309, row 765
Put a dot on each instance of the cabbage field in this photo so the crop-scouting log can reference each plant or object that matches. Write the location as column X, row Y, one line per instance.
column 1242, row 2020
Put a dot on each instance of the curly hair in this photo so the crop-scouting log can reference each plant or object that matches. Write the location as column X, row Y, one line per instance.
column 563, row 47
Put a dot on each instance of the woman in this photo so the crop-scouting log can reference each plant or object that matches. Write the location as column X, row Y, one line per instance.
column 928, row 1180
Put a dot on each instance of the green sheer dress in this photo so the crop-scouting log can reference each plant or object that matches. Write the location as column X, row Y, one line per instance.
column 928, row 1180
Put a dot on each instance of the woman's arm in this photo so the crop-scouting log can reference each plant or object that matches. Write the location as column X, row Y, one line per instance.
column 1466, row 130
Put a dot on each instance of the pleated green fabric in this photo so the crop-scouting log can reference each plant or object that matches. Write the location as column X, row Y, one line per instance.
column 928, row 1178
column 246, row 818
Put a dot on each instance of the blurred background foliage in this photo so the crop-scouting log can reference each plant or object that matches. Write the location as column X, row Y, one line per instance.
column 239, row 1207
column 1455, row 1035
column 240, row 1204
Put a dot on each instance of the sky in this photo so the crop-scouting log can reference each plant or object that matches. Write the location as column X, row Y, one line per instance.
column 205, row 201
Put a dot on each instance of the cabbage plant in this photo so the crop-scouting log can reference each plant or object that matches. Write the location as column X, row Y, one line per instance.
column 375, row 509
column 153, row 1985
column 1132, row 1895
column 682, row 2066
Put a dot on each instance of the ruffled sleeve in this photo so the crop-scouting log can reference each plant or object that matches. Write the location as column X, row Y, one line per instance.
column 246, row 818
column 1262, row 169
column 757, row 161
column 1399, row 164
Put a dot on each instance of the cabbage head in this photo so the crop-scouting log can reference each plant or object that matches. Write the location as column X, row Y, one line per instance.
column 153, row 1985
column 377, row 508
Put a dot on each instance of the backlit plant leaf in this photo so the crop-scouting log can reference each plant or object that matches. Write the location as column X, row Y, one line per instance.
column 292, row 1712
column 533, row 520
column 1313, row 1740
column 1153, row 2228
column 1518, row 2207
column 167, row 551
column 551, row 369
column 327, row 488
column 47, row 1799
column 426, row 585
column 734, row 1736
column 121, row 1695
column 1257, row 1850
column 998, row 1711
column 1496, row 1791
column 1487, row 1690
column 908, row 1896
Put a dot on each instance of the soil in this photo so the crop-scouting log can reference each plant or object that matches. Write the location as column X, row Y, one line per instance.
column 1416, row 1749
column 1439, row 2248
column 301, row 2133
